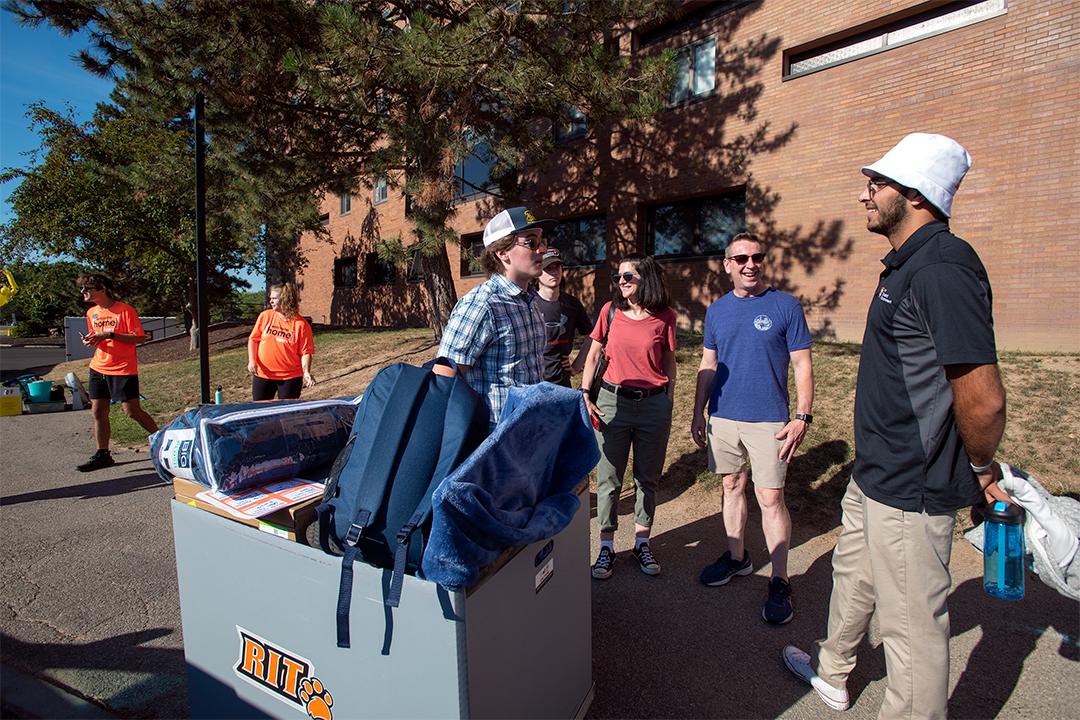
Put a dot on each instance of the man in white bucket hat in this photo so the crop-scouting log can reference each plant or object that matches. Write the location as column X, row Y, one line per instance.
column 496, row 333
column 929, row 414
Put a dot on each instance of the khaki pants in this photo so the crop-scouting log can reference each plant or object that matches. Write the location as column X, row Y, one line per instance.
column 897, row 564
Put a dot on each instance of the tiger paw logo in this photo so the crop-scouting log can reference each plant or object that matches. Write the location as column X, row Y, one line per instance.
column 283, row 675
column 317, row 701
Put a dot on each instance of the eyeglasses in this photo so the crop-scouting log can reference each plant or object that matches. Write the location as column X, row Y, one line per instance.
column 741, row 259
column 533, row 243
column 872, row 186
column 626, row 276
column 85, row 288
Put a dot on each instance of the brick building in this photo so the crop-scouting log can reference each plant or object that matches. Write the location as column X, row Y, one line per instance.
column 778, row 105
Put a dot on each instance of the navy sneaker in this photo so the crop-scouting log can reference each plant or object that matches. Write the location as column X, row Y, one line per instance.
column 777, row 608
column 100, row 459
column 721, row 571
column 645, row 559
column 602, row 569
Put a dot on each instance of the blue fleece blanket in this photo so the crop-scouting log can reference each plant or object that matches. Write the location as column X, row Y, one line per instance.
column 516, row 488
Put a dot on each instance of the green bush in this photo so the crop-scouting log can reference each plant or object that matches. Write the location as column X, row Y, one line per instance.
column 28, row 328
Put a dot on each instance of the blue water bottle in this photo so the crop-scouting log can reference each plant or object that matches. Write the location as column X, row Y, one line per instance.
column 1003, row 551
column 219, row 397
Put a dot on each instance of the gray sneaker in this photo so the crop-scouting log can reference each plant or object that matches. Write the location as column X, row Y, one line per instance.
column 798, row 662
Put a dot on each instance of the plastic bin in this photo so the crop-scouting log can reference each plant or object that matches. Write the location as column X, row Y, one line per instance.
column 260, row 633
column 39, row 390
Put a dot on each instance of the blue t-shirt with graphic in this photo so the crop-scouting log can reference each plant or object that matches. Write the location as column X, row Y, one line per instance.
column 754, row 338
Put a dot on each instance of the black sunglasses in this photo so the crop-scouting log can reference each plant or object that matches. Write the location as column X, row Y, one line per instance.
column 741, row 259
column 628, row 277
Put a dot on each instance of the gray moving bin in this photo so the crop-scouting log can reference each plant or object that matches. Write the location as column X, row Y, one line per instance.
column 260, row 632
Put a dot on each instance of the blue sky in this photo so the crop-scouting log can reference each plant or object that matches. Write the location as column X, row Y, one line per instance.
column 37, row 65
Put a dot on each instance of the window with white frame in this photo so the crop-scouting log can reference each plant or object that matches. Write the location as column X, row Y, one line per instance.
column 695, row 75
column 346, row 204
column 937, row 18
column 380, row 189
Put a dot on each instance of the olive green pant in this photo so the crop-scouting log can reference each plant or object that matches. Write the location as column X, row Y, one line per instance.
column 641, row 425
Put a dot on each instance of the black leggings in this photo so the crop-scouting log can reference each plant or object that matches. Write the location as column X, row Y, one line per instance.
column 263, row 389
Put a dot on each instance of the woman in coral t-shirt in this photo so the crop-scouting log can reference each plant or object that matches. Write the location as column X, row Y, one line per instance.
column 280, row 348
column 634, row 404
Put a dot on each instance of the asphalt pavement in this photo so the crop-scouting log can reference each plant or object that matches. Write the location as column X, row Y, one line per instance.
column 91, row 623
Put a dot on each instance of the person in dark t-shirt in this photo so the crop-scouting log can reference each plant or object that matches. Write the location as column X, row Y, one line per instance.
column 563, row 314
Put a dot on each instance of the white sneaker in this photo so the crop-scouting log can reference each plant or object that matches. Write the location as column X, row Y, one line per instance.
column 798, row 662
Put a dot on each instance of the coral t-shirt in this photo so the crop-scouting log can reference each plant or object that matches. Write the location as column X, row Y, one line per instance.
column 113, row 357
column 281, row 344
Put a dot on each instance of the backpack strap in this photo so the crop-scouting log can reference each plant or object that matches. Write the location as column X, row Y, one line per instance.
column 460, row 405
column 403, row 395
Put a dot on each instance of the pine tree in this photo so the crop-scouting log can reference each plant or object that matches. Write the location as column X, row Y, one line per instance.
column 305, row 97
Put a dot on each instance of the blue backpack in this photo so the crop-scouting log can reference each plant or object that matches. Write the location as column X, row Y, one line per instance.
column 412, row 429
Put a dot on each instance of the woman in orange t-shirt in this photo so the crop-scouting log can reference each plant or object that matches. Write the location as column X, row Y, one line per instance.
column 280, row 348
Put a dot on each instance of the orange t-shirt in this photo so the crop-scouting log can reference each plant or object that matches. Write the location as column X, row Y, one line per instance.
column 113, row 357
column 281, row 344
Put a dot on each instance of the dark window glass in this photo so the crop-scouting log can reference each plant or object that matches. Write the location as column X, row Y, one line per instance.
column 345, row 272
column 416, row 268
column 581, row 241
column 576, row 128
column 324, row 219
column 698, row 227
column 472, row 247
column 378, row 271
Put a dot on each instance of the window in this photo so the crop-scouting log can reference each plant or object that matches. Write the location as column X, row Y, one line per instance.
column 689, row 21
column 378, row 271
column 581, row 241
column 695, row 74
column 695, row 228
column 416, row 268
column 380, row 189
column 576, row 128
column 472, row 247
column 324, row 219
column 345, row 272
column 472, row 176
column 346, row 204
column 889, row 34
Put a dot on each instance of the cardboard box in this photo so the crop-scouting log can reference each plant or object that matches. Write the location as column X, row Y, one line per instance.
column 10, row 401
column 290, row 523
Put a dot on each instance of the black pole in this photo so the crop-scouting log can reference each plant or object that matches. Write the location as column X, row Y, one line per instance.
column 201, row 268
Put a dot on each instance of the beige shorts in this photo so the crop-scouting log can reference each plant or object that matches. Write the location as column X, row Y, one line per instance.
column 732, row 443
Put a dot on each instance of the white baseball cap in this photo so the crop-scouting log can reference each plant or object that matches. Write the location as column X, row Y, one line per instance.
column 932, row 164
column 512, row 221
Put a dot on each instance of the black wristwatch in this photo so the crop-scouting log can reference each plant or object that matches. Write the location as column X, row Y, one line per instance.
column 805, row 418
column 111, row 333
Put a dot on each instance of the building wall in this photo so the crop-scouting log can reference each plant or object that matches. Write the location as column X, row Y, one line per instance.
column 1007, row 88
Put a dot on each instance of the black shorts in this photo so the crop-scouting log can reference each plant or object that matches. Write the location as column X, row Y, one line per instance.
column 264, row 389
column 113, row 387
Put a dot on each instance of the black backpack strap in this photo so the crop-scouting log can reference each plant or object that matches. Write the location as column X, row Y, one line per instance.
column 456, row 422
column 376, row 474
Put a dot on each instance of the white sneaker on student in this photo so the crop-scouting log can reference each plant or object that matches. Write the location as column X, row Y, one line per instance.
column 798, row 662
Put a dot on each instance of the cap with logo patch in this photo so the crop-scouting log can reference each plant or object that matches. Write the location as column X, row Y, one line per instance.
column 512, row 221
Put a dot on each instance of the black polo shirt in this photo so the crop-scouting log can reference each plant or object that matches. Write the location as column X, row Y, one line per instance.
column 932, row 308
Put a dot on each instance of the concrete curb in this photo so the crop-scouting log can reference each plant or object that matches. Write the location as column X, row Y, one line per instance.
column 25, row 696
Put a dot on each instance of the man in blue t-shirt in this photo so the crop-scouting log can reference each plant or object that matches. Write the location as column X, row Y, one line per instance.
column 750, row 336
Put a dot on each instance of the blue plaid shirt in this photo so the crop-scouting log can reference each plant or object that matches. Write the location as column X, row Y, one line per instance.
column 499, row 333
